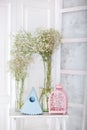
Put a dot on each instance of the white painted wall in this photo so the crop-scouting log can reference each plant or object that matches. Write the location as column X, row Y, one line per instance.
column 4, row 55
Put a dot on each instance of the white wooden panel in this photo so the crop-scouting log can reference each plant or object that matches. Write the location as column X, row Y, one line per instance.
column 4, row 99
column 4, row 56
column 74, row 61
column 74, row 56
column 37, row 3
column 13, row 20
column 74, row 9
column 75, row 123
column 75, row 111
column 74, row 40
column 74, row 86
column 40, row 124
column 4, row 117
column 75, row 118
column 4, row 1
column 74, row 72
column 72, row 3
column 36, row 18
column 75, row 24
column 4, row 48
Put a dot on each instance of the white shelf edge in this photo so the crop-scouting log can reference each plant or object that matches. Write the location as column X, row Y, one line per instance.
column 14, row 114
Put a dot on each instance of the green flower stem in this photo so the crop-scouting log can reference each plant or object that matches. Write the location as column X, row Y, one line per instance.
column 47, row 72
column 19, row 93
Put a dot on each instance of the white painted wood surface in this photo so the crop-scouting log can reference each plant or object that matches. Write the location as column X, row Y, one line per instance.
column 4, row 54
column 15, row 114
column 74, row 67
column 61, row 120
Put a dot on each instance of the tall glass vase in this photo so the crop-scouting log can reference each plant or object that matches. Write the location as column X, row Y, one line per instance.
column 19, row 94
column 46, row 90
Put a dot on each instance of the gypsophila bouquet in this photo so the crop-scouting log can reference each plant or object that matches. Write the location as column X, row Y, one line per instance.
column 47, row 40
column 21, row 51
column 20, row 54
column 44, row 42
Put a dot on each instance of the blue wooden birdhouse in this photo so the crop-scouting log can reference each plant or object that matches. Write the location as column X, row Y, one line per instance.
column 31, row 105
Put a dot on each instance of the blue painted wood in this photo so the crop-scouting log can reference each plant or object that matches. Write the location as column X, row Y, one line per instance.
column 31, row 105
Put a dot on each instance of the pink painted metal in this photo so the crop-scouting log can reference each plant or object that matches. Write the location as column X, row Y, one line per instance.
column 58, row 102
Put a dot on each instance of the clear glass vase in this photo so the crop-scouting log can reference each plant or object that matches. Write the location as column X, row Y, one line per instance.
column 19, row 94
column 46, row 90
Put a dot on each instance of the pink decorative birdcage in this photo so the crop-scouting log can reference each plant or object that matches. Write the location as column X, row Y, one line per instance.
column 58, row 102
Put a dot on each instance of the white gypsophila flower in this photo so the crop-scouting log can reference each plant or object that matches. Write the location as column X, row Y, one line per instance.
column 21, row 54
column 47, row 40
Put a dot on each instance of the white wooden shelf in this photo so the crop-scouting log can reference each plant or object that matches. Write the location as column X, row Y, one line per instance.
column 15, row 114
column 61, row 120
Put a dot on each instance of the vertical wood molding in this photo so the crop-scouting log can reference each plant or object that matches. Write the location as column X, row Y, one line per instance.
column 58, row 26
column 84, row 124
column 5, row 85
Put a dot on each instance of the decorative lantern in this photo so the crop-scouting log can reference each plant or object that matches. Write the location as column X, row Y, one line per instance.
column 58, row 103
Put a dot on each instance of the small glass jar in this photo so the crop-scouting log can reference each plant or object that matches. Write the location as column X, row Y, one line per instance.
column 19, row 89
column 46, row 90
column 44, row 97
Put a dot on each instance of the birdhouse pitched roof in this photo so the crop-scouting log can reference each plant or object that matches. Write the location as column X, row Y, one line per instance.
column 31, row 105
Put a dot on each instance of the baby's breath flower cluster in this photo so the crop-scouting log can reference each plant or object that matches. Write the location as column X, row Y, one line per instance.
column 21, row 54
column 22, row 49
column 24, row 45
column 46, row 41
